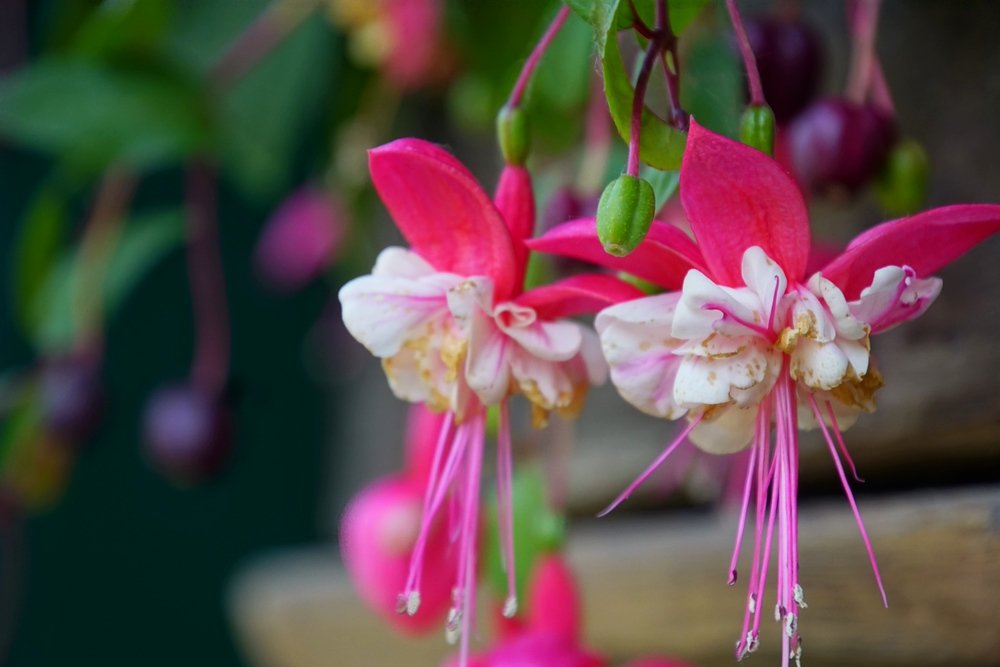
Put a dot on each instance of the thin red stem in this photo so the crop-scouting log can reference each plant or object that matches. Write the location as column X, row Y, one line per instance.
column 258, row 39
column 208, row 290
column 517, row 94
column 749, row 61
column 864, row 25
column 638, row 104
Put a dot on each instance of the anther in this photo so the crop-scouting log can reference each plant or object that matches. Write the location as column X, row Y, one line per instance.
column 510, row 607
column 799, row 596
column 453, row 628
column 413, row 603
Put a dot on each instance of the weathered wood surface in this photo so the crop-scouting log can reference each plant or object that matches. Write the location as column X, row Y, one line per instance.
column 658, row 585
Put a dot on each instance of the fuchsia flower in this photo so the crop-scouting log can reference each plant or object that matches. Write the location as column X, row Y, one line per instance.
column 379, row 530
column 300, row 240
column 455, row 331
column 745, row 342
column 550, row 633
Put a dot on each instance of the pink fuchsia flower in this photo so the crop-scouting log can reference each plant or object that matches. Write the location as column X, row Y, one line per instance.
column 749, row 343
column 377, row 536
column 549, row 634
column 455, row 331
column 300, row 240
column 379, row 530
column 401, row 38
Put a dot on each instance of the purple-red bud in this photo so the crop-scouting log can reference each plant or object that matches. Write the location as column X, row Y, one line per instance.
column 300, row 240
column 187, row 433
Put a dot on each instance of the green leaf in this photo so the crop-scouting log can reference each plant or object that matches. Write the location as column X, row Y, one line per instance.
column 143, row 242
column 537, row 530
column 98, row 114
column 712, row 89
column 605, row 15
column 664, row 183
column 36, row 251
column 660, row 145
column 262, row 118
column 123, row 27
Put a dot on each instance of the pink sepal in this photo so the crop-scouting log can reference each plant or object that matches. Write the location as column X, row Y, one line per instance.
column 925, row 242
column 443, row 213
column 584, row 293
column 664, row 258
column 737, row 197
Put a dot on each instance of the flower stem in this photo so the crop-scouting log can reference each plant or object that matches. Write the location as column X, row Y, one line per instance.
column 864, row 25
column 259, row 38
column 638, row 103
column 208, row 290
column 749, row 60
column 517, row 94
column 96, row 247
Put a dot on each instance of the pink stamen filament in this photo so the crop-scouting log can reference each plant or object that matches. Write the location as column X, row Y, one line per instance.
column 466, row 579
column 652, row 467
column 505, row 509
column 430, row 510
column 850, row 498
column 765, row 333
column 840, row 442
column 517, row 94
column 745, row 505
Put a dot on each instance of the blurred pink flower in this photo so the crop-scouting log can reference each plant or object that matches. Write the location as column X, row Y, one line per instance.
column 300, row 240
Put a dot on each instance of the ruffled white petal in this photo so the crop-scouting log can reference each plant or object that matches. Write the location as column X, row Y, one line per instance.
column 727, row 433
column 895, row 296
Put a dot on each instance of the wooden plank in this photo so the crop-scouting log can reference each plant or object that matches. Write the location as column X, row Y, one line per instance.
column 658, row 585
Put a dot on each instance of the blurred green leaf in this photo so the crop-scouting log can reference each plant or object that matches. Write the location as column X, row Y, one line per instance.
column 537, row 530
column 607, row 15
column 143, row 242
column 262, row 118
column 712, row 89
column 96, row 115
column 664, row 183
column 123, row 27
column 36, row 251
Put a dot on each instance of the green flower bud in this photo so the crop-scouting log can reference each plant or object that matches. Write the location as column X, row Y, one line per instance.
column 902, row 184
column 513, row 136
column 624, row 214
column 757, row 128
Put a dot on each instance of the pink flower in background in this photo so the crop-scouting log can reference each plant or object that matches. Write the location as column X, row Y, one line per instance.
column 300, row 240
column 549, row 636
column 750, row 343
column 379, row 530
column 454, row 330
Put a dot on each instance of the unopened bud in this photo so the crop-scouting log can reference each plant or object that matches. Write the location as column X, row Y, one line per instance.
column 624, row 214
column 757, row 128
column 513, row 136
column 902, row 183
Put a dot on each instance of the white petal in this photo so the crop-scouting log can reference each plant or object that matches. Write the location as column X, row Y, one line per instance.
column 383, row 312
column 846, row 324
column 635, row 337
column 708, row 381
column 594, row 366
column 818, row 365
column 728, row 433
column 895, row 296
column 705, row 308
column 396, row 262
column 765, row 278
column 552, row 341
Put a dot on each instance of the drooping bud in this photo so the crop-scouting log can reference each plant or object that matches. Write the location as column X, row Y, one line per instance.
column 902, row 183
column 757, row 128
column 187, row 433
column 624, row 214
column 513, row 136
column 71, row 397
column 300, row 240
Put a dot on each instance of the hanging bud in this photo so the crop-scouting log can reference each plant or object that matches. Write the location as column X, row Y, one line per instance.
column 512, row 134
column 624, row 214
column 902, row 183
column 757, row 128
